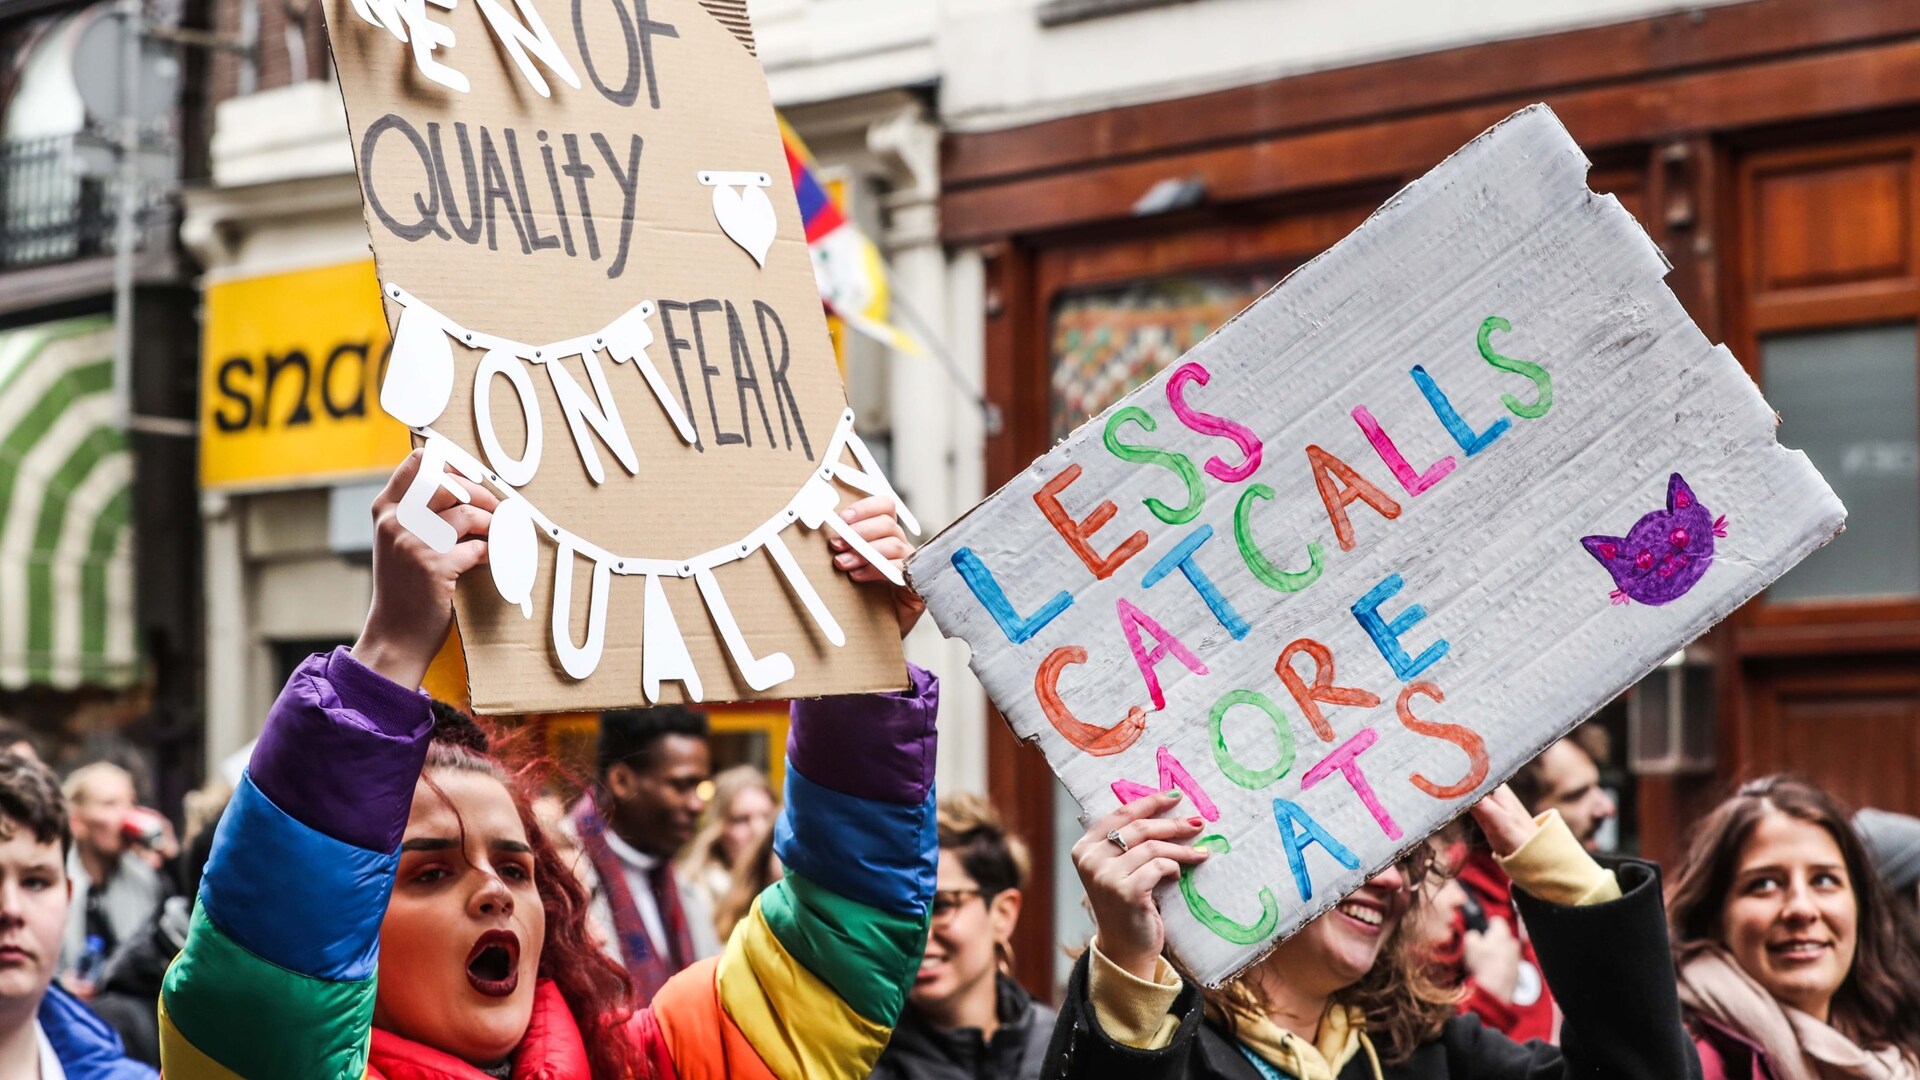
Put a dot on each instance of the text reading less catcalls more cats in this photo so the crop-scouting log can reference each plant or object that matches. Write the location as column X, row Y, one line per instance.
column 1305, row 667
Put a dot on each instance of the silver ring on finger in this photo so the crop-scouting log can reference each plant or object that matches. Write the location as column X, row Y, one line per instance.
column 1114, row 838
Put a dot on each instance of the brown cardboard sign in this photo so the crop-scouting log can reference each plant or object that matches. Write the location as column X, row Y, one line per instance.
column 603, row 308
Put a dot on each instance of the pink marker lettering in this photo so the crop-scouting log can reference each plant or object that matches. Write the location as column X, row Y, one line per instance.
column 1415, row 483
column 1345, row 760
column 1172, row 775
column 1208, row 424
column 1132, row 621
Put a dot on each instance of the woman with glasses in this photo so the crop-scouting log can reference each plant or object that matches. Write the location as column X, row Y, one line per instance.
column 1349, row 996
column 966, row 1019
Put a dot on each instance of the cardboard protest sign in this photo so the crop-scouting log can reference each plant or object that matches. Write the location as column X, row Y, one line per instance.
column 603, row 308
column 1404, row 521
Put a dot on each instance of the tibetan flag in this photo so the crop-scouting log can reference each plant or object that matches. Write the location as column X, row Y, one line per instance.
column 846, row 265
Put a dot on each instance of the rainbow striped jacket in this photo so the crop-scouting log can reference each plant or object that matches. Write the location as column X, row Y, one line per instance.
column 278, row 974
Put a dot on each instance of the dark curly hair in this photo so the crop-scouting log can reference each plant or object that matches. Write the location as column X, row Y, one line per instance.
column 631, row 735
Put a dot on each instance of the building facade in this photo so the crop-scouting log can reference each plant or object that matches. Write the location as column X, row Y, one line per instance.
column 861, row 82
column 99, row 608
column 1129, row 174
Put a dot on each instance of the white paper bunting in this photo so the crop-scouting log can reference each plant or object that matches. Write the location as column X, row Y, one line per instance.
column 600, row 414
column 513, row 553
column 419, row 377
column 742, row 209
column 626, row 339
column 518, row 523
column 578, row 660
column 665, row 658
column 515, row 471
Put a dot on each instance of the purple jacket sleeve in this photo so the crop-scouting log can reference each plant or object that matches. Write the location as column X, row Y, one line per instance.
column 895, row 733
column 342, row 750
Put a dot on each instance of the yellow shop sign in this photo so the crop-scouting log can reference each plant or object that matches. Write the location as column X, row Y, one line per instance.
column 290, row 381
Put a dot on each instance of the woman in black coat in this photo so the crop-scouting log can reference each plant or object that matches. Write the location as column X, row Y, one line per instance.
column 1345, row 997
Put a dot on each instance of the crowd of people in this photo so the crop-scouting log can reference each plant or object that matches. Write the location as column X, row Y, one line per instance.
column 674, row 922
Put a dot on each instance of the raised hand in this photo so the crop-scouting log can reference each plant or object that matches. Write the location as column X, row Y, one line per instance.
column 1504, row 820
column 1120, row 884
column 412, row 583
column 872, row 520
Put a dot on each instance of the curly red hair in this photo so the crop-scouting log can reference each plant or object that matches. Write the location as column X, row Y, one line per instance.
column 597, row 991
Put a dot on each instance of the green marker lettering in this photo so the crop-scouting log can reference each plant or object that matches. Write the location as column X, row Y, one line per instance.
column 1251, row 779
column 1270, row 575
column 1179, row 463
column 1519, row 367
column 1210, row 917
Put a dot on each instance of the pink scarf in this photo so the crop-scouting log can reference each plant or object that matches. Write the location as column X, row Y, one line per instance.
column 1797, row 1046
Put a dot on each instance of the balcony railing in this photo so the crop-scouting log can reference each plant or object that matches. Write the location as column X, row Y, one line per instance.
column 51, row 209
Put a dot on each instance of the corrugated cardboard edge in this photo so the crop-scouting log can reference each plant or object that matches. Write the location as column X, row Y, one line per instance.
column 732, row 14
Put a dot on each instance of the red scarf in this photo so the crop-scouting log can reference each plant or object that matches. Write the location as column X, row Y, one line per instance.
column 649, row 965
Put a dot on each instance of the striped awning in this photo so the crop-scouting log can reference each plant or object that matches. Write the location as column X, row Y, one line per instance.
column 66, row 494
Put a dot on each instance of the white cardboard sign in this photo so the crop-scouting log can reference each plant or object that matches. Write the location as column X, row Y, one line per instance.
column 1404, row 521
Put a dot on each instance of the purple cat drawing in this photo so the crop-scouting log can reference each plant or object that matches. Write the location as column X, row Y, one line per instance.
column 1665, row 552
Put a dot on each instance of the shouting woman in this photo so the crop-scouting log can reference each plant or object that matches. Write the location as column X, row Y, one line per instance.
column 358, row 835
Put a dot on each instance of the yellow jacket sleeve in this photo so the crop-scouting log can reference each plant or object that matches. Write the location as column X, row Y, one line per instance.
column 1554, row 867
column 1131, row 1010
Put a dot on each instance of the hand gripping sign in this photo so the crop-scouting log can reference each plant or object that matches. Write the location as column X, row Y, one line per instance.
column 604, row 310
column 1408, row 518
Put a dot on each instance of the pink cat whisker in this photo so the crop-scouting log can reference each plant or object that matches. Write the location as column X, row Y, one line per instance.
column 1661, row 558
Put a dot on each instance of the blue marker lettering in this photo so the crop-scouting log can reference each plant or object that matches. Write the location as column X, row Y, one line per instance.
column 988, row 592
column 1297, row 830
column 1182, row 557
column 1386, row 635
column 1457, row 427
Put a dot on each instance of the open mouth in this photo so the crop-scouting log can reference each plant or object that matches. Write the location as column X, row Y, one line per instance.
column 1799, row 950
column 1368, row 916
column 493, row 967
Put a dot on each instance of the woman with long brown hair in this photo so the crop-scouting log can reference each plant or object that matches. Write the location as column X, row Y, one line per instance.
column 1792, row 966
column 1350, row 996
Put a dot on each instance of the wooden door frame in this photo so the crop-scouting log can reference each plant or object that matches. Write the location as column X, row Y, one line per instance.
column 1836, row 626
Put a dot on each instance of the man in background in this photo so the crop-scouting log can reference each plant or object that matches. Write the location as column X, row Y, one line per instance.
column 652, row 766
column 115, row 889
column 1507, row 990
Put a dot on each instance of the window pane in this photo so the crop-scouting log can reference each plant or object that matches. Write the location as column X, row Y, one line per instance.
column 1851, row 400
column 1106, row 342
